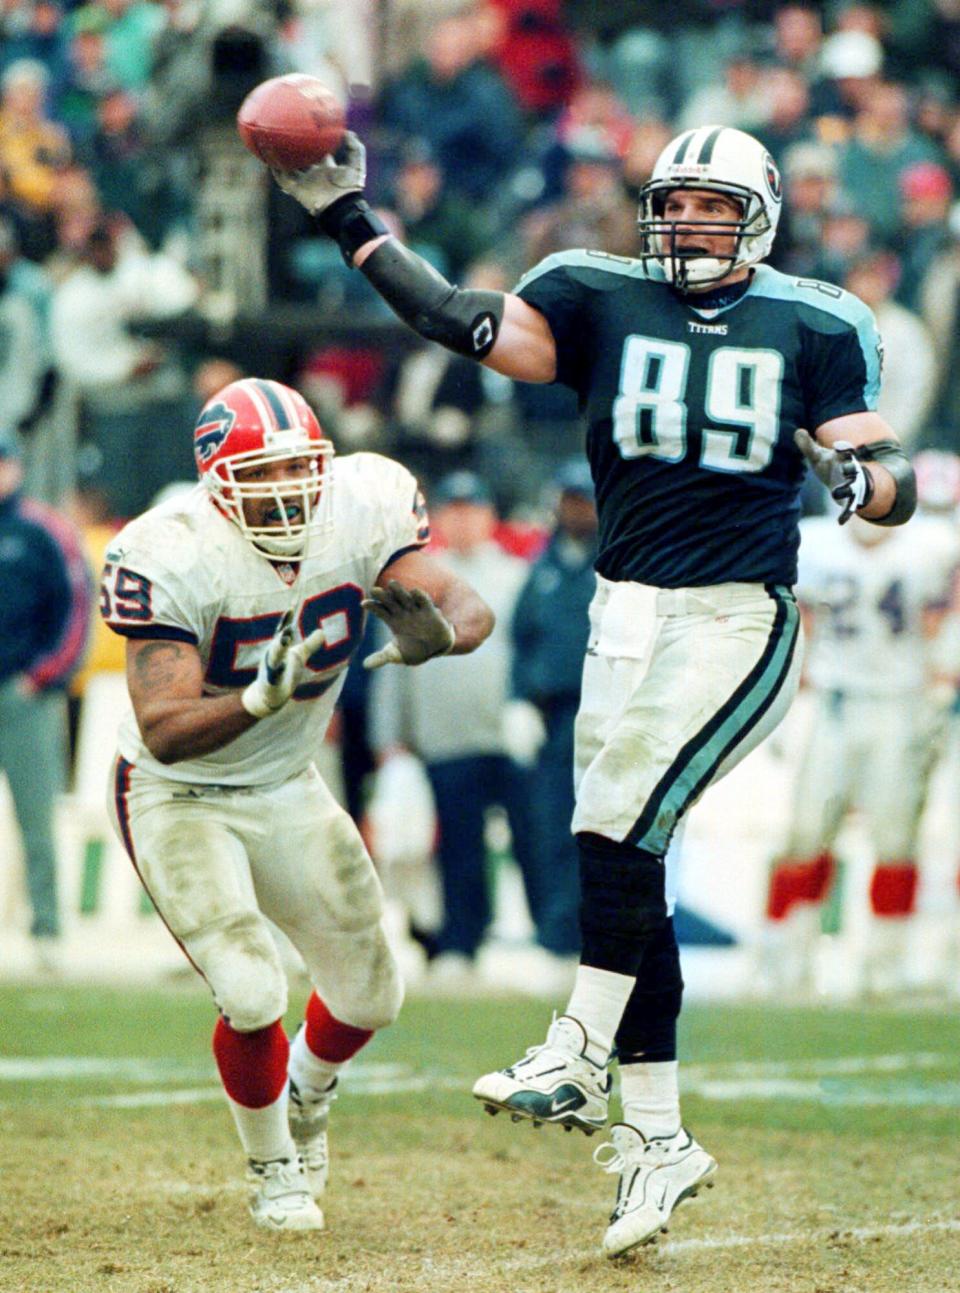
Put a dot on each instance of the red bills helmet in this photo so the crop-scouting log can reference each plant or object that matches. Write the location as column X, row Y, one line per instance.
column 256, row 423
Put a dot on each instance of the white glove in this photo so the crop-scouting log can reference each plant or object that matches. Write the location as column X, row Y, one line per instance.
column 420, row 629
column 523, row 731
column 840, row 470
column 279, row 670
column 318, row 187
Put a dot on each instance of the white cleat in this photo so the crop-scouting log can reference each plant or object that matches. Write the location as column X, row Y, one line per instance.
column 307, row 1120
column 655, row 1175
column 280, row 1197
column 554, row 1082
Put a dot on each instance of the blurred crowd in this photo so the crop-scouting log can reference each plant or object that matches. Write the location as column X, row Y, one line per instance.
column 146, row 260
column 498, row 132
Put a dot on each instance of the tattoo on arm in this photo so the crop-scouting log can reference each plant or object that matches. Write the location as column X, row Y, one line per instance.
column 156, row 665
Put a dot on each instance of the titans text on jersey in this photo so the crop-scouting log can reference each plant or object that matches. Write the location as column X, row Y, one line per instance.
column 691, row 410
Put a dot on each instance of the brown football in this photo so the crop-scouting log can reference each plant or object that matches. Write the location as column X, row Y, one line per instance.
column 291, row 122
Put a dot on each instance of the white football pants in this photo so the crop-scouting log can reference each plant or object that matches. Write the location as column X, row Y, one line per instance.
column 679, row 685
column 216, row 860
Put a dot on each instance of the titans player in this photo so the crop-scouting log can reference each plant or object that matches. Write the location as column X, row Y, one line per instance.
column 706, row 379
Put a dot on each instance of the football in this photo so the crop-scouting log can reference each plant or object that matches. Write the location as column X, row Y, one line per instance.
column 291, row 122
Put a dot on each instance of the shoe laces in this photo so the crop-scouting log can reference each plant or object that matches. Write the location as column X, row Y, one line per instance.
column 642, row 1153
column 279, row 1176
column 551, row 1050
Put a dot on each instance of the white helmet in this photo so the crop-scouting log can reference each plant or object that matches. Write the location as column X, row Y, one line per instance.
column 722, row 160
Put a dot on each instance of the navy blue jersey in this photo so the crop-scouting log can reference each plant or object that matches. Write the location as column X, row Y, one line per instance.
column 691, row 413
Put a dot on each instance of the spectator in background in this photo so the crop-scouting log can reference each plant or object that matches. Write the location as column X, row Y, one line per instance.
column 130, row 28
column 335, row 41
column 550, row 628
column 909, row 362
column 850, row 64
column 457, row 100
column 881, row 147
column 809, row 182
column 594, row 209
column 445, row 411
column 926, row 192
column 44, row 614
column 88, row 78
column 940, row 309
column 444, row 227
column 534, row 51
column 33, row 149
column 24, row 349
column 648, row 140
column 212, row 375
column 797, row 37
column 34, row 30
column 788, row 117
column 845, row 238
column 77, row 215
column 134, row 391
column 452, row 720
column 740, row 99
column 127, row 178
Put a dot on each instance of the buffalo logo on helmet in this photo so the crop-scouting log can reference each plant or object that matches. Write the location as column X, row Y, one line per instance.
column 212, row 429
column 772, row 177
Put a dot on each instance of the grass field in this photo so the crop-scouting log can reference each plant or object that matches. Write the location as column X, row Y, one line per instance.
column 837, row 1133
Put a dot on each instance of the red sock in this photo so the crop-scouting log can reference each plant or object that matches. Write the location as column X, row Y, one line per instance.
column 893, row 889
column 253, row 1066
column 819, row 877
column 793, row 882
column 328, row 1038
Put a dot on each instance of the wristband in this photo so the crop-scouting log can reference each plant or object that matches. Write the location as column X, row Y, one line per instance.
column 351, row 222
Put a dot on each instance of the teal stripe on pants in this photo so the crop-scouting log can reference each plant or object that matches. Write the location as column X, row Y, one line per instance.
column 697, row 763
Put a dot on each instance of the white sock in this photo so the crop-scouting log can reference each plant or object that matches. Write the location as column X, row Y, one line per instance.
column 264, row 1133
column 312, row 1075
column 598, row 1001
column 651, row 1097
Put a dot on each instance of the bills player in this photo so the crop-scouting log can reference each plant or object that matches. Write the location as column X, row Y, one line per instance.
column 698, row 370
column 875, row 602
column 241, row 605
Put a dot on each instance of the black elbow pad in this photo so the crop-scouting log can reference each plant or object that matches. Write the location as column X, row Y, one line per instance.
column 464, row 320
column 889, row 454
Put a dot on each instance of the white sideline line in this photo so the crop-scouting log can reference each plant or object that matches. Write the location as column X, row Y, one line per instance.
column 894, row 1230
column 211, row 1094
column 822, row 1081
column 463, row 1272
column 818, row 1067
column 29, row 1068
column 40, row 1068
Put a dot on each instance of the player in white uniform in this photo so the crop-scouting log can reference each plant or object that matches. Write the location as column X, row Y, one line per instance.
column 242, row 604
column 874, row 601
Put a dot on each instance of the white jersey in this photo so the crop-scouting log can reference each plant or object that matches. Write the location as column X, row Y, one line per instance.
column 182, row 571
column 868, row 602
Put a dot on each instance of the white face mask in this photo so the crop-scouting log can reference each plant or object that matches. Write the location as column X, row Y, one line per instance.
column 302, row 509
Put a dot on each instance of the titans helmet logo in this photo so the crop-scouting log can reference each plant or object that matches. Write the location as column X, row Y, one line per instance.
column 772, row 177
column 212, row 429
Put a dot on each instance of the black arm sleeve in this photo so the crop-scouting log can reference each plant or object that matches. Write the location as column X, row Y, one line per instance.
column 465, row 321
column 889, row 454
